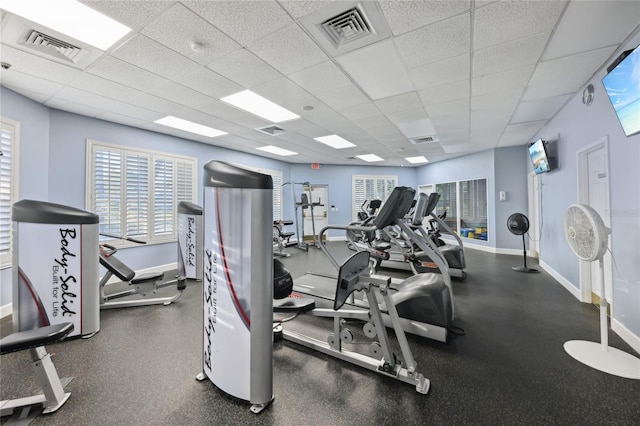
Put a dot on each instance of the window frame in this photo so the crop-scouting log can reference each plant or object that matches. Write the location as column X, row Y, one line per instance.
column 152, row 157
column 6, row 259
column 355, row 203
column 277, row 188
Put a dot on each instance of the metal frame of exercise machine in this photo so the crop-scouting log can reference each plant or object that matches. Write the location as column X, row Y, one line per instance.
column 53, row 395
column 143, row 285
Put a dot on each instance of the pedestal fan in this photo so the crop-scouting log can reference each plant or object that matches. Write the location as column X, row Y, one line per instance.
column 518, row 224
column 588, row 238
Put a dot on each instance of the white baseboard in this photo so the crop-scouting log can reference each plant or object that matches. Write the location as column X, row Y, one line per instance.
column 159, row 268
column 6, row 310
column 562, row 280
column 621, row 330
column 626, row 334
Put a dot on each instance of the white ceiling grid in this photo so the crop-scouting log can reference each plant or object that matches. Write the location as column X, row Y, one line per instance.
column 477, row 74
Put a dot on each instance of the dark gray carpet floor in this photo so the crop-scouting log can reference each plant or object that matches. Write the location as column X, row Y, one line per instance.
column 510, row 367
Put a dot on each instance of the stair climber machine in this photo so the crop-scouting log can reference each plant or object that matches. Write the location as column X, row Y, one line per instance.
column 383, row 305
column 424, row 302
column 453, row 253
column 365, row 216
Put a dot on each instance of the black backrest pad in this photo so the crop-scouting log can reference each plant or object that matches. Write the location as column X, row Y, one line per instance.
column 396, row 206
column 117, row 268
column 434, row 197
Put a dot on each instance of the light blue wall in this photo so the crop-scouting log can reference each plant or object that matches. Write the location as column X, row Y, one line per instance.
column 34, row 157
column 474, row 166
column 338, row 178
column 574, row 128
column 511, row 177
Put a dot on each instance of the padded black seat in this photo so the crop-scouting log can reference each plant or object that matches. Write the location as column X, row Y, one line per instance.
column 33, row 338
column 151, row 276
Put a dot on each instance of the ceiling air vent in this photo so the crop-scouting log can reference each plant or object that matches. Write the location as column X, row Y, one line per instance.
column 423, row 140
column 51, row 45
column 347, row 27
column 272, row 130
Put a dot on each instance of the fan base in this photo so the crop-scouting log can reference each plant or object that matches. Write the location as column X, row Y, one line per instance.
column 524, row 269
column 606, row 359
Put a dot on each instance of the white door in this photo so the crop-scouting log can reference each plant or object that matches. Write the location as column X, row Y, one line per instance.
column 593, row 172
column 320, row 199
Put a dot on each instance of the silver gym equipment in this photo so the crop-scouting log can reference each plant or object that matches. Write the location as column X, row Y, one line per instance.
column 189, row 241
column 55, row 268
column 142, row 288
column 53, row 395
column 305, row 203
column 281, row 237
column 424, row 302
column 354, row 276
column 238, row 283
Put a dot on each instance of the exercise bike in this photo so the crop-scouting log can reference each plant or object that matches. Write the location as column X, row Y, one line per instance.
column 144, row 286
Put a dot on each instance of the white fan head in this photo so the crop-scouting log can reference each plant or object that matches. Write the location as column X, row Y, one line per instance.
column 585, row 232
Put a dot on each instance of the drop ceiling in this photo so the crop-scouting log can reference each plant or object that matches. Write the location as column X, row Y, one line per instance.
column 473, row 75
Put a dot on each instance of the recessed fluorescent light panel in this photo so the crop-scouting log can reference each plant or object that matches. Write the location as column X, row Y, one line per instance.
column 278, row 151
column 417, row 160
column 334, row 141
column 262, row 107
column 370, row 158
column 71, row 18
column 188, row 126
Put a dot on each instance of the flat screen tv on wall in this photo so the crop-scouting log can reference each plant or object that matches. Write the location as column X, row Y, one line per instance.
column 539, row 157
column 623, row 88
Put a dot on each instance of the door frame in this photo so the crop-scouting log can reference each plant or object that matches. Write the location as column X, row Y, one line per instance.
column 533, row 182
column 583, row 196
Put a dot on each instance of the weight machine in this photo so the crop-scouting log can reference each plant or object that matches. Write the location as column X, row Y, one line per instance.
column 306, row 202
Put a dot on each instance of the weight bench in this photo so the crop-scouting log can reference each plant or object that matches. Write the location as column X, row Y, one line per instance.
column 142, row 285
column 53, row 396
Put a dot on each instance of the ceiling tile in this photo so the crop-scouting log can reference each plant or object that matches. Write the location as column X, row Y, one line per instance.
column 377, row 70
column 398, row 103
column 441, row 73
column 300, row 8
column 540, row 109
column 490, row 119
column 244, row 68
column 124, row 119
column 305, row 128
column 513, row 79
column 138, row 113
column 178, row 28
column 209, row 83
column 74, row 107
column 227, row 112
column 154, row 103
column 288, row 50
column 321, row 78
column 85, row 98
column 134, row 14
column 101, row 86
column 243, row 21
column 504, row 21
column 436, row 42
column 505, row 100
column 36, row 66
column 579, row 67
column 359, row 111
column 343, row 97
column 458, row 108
column 448, row 92
column 38, row 97
column 180, row 94
column 404, row 16
column 514, row 54
column 289, row 95
column 153, row 56
column 589, row 25
column 16, row 81
column 521, row 133
column 125, row 73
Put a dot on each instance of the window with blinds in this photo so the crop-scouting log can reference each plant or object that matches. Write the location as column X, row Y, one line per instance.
column 367, row 188
column 136, row 192
column 9, row 146
column 276, row 176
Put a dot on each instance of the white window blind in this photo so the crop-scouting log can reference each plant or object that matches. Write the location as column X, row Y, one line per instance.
column 370, row 188
column 276, row 176
column 136, row 192
column 9, row 146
